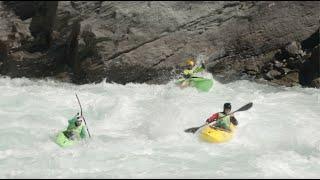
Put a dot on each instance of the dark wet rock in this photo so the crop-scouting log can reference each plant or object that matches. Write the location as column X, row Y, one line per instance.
column 316, row 83
column 278, row 64
column 72, row 48
column 23, row 9
column 42, row 23
column 286, row 70
column 311, row 68
column 63, row 77
column 3, row 50
column 25, row 64
column 252, row 68
column 273, row 74
column 311, row 42
column 291, row 79
column 293, row 49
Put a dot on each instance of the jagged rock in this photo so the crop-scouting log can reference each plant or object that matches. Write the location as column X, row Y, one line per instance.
column 273, row 74
column 291, row 79
column 294, row 48
column 286, row 70
column 278, row 64
column 252, row 69
column 294, row 63
column 25, row 64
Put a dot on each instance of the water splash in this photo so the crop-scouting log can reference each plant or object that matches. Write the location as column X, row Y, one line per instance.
column 137, row 131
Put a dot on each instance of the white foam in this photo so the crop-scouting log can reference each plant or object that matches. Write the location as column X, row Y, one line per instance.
column 137, row 131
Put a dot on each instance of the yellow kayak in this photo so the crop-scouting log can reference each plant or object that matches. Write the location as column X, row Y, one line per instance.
column 215, row 135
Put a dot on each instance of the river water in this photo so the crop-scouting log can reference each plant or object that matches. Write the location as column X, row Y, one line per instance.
column 138, row 131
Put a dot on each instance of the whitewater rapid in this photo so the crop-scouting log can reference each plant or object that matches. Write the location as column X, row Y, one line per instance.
column 138, row 131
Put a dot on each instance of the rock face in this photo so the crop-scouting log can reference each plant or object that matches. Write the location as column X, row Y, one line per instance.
column 146, row 42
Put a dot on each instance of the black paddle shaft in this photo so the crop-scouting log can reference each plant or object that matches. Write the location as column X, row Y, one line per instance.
column 79, row 104
column 82, row 116
column 243, row 108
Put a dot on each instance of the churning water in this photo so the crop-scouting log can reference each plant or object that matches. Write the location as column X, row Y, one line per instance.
column 138, row 131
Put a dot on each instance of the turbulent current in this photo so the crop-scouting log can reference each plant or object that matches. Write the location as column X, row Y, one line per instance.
column 138, row 131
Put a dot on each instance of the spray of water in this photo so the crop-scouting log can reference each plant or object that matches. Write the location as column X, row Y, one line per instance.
column 138, row 131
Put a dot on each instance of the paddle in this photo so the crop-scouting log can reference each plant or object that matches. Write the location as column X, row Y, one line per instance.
column 243, row 108
column 82, row 116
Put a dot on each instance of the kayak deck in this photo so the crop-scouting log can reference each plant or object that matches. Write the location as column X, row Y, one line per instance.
column 202, row 84
column 215, row 135
column 63, row 141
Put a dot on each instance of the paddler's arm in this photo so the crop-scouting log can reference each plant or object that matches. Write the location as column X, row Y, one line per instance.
column 233, row 120
column 83, row 133
column 212, row 118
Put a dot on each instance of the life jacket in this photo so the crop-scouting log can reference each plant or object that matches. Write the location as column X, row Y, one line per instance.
column 193, row 71
column 188, row 72
column 223, row 122
column 75, row 129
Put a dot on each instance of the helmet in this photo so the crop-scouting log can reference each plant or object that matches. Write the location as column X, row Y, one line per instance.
column 227, row 106
column 79, row 118
column 190, row 62
column 78, row 121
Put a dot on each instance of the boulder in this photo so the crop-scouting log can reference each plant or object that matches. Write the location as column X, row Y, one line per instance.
column 290, row 79
column 273, row 74
column 316, row 83
column 293, row 48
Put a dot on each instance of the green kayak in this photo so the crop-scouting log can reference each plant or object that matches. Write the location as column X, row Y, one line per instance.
column 202, row 84
column 63, row 141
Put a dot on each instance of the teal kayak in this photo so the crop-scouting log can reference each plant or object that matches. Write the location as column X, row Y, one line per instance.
column 202, row 84
column 63, row 141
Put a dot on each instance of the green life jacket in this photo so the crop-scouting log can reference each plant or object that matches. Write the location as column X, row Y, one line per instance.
column 223, row 122
column 190, row 73
column 79, row 131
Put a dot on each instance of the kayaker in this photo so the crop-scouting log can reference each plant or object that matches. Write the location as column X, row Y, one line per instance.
column 224, row 122
column 190, row 71
column 76, row 128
